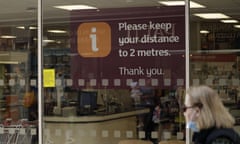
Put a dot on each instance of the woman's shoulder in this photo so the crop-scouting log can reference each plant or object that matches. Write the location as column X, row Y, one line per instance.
column 201, row 136
column 223, row 136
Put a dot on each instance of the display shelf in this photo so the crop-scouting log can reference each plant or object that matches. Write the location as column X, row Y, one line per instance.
column 14, row 75
column 3, row 105
column 220, row 71
column 58, row 59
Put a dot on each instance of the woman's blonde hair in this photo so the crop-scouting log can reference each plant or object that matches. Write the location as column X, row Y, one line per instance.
column 213, row 113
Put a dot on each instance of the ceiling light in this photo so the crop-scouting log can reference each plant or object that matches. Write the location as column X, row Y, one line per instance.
column 32, row 28
column 196, row 5
column 8, row 36
column 48, row 41
column 23, row 27
column 172, row 3
column 57, row 31
column 181, row 3
column 204, row 31
column 229, row 21
column 237, row 26
column 75, row 7
column 212, row 15
column 9, row 62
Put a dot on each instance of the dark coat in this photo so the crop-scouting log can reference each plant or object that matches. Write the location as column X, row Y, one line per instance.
column 216, row 136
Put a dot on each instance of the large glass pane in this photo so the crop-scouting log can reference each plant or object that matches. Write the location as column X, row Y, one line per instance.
column 18, row 71
column 114, row 71
column 95, row 100
column 214, row 59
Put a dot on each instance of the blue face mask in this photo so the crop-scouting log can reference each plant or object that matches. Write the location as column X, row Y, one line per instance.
column 193, row 126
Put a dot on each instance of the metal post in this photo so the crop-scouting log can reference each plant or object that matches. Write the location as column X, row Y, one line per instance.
column 188, row 132
column 40, row 100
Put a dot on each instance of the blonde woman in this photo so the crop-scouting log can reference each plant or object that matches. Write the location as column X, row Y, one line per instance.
column 206, row 115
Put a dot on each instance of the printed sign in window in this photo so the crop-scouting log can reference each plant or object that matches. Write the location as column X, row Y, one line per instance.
column 128, row 45
column 49, row 78
column 94, row 39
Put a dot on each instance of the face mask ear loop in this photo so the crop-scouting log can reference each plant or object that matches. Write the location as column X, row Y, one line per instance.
column 192, row 124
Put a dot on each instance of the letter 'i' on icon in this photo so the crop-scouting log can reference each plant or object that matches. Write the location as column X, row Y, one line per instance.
column 94, row 39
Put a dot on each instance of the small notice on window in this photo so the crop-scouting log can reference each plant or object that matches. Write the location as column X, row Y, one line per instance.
column 49, row 78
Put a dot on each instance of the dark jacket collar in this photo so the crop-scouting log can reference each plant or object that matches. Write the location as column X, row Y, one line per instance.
column 200, row 137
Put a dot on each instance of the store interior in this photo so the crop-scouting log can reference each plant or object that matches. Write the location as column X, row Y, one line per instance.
column 214, row 47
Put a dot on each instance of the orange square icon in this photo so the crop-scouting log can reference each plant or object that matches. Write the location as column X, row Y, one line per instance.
column 94, row 39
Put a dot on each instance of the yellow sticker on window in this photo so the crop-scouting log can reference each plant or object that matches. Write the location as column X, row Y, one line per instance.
column 49, row 78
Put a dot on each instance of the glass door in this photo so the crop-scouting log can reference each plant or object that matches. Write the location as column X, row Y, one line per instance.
column 111, row 70
column 18, row 72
